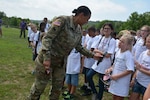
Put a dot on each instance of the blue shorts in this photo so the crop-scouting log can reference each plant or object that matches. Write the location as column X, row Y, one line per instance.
column 72, row 79
column 138, row 88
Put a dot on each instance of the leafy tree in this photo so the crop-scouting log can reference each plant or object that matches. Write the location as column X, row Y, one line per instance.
column 2, row 14
column 136, row 21
column 132, row 22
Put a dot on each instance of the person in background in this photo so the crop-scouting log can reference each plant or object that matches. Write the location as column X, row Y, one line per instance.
column 114, row 34
column 85, row 37
column 101, row 32
column 23, row 26
column 63, row 35
column 41, row 34
column 138, row 35
column 33, row 40
column 121, row 70
column 141, row 79
column 1, row 34
column 97, row 32
column 140, row 44
column 29, row 33
column 88, row 62
column 45, row 20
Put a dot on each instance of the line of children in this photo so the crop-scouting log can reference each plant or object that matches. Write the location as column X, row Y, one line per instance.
column 126, row 58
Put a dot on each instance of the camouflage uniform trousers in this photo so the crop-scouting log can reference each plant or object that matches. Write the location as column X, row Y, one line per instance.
column 41, row 79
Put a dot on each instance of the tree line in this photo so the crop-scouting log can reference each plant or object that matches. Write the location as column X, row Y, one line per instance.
column 134, row 22
column 11, row 21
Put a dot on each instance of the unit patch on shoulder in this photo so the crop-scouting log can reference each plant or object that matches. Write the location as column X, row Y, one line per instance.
column 56, row 23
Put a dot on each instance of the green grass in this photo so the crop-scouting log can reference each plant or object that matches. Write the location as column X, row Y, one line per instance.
column 15, row 66
column 15, row 69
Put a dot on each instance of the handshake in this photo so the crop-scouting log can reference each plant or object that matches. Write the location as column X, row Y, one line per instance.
column 101, row 58
column 98, row 55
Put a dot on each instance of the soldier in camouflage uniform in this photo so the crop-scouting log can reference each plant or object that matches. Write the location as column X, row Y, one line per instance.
column 62, row 37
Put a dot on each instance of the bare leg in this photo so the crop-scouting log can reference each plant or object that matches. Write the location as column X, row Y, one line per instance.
column 115, row 97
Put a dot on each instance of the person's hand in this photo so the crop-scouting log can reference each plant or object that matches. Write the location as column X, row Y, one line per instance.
column 47, row 64
column 97, row 56
column 138, row 66
column 114, row 77
column 108, row 71
column 132, row 83
column 97, row 51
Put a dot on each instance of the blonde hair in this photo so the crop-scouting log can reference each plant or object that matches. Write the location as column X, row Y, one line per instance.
column 129, row 38
column 123, row 32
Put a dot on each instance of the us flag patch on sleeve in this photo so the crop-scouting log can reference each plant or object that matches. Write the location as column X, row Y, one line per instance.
column 56, row 23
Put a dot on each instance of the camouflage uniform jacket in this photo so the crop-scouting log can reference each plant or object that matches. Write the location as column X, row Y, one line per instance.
column 61, row 38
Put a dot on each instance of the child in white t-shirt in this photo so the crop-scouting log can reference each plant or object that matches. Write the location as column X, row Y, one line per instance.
column 140, row 43
column 72, row 73
column 40, row 36
column 122, row 68
column 142, row 77
column 88, row 62
column 29, row 33
column 33, row 39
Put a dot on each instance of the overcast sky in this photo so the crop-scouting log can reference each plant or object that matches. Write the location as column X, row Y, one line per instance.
column 101, row 9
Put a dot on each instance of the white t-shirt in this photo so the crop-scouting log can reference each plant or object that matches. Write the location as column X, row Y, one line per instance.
column 138, row 48
column 106, row 45
column 34, row 38
column 117, row 48
column 144, row 60
column 123, row 61
column 47, row 27
column 84, row 39
column 96, row 42
column 73, row 62
column 88, row 62
column 29, row 31
column 39, row 45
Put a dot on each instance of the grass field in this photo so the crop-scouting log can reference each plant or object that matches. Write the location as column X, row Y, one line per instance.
column 16, row 66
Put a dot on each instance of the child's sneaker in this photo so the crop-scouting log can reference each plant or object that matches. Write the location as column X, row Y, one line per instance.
column 65, row 93
column 83, row 87
column 69, row 97
column 87, row 92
